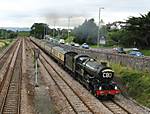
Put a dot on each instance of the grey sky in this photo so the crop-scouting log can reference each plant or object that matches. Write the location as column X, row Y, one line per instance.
column 23, row 13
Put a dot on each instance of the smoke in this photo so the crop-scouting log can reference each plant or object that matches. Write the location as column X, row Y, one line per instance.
column 65, row 16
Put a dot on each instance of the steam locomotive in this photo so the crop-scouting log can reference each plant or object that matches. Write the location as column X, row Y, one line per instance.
column 96, row 77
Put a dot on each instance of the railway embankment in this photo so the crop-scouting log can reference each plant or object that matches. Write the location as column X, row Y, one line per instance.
column 136, row 83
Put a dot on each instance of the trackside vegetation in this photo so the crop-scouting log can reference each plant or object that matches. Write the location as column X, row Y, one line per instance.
column 137, row 82
column 146, row 52
column 4, row 43
column 24, row 33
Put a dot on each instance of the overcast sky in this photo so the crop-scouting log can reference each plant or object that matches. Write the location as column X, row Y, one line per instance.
column 23, row 13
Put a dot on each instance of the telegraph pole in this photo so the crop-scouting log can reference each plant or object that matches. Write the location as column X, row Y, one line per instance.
column 44, row 31
column 98, row 36
column 54, row 28
column 68, row 26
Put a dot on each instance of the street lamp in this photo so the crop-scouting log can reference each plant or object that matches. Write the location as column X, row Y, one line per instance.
column 98, row 37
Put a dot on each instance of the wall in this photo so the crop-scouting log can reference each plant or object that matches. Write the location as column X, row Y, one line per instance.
column 140, row 63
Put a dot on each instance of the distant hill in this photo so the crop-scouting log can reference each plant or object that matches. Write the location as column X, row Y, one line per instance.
column 16, row 28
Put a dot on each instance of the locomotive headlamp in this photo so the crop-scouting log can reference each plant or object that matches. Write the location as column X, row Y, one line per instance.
column 100, row 88
column 116, row 87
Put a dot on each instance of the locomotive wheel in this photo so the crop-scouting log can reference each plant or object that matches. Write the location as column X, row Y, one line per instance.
column 91, row 89
column 74, row 76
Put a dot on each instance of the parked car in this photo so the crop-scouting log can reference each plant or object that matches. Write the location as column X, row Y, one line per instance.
column 135, row 49
column 67, row 43
column 62, row 41
column 136, row 54
column 85, row 45
column 76, row 45
column 119, row 50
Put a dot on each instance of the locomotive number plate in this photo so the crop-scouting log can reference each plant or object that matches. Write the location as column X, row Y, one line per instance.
column 107, row 75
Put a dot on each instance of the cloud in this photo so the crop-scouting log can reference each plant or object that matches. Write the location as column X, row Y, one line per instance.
column 26, row 12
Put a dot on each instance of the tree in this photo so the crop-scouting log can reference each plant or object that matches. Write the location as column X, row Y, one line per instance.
column 8, row 34
column 24, row 33
column 139, row 30
column 64, row 33
column 87, row 32
column 134, row 33
column 12, row 35
column 38, row 30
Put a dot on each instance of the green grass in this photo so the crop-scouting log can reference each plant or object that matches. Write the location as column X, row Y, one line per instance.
column 138, row 83
column 23, row 33
column 102, row 46
column 146, row 52
column 70, row 39
column 4, row 43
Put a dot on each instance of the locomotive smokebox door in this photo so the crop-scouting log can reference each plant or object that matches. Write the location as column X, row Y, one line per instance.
column 36, row 53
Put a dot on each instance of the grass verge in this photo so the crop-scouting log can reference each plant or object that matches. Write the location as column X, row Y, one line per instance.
column 146, row 52
column 4, row 43
column 138, row 83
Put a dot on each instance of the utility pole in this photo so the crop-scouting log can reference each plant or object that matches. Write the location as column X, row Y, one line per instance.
column 58, row 33
column 44, row 31
column 68, row 26
column 54, row 28
column 98, row 36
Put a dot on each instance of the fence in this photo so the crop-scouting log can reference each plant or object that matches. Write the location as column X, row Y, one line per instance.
column 140, row 63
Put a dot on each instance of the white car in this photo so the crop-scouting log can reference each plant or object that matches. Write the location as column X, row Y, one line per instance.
column 76, row 45
column 67, row 43
column 85, row 45
column 61, row 41
column 135, row 49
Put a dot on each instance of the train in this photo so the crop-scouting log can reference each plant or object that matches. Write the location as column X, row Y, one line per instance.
column 97, row 77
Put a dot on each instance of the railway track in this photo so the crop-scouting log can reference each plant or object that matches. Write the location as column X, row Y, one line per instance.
column 133, row 106
column 5, row 61
column 6, row 54
column 10, row 93
column 113, row 106
column 76, row 102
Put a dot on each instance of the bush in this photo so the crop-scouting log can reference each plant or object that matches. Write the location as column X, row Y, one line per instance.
column 138, row 83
